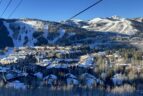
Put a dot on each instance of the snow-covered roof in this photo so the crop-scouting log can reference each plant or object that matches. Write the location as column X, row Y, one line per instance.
column 9, row 76
column 39, row 75
column 87, row 75
column 57, row 66
column 4, row 69
column 69, row 75
column 51, row 76
column 72, row 81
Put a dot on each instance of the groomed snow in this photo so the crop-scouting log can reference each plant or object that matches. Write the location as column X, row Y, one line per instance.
column 113, row 24
column 61, row 34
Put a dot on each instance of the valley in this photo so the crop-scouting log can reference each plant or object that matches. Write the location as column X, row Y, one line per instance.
column 100, row 54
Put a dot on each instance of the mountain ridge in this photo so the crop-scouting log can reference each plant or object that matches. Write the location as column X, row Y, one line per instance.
column 117, row 24
column 36, row 32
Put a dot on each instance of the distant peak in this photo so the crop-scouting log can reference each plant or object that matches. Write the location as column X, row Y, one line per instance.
column 77, row 20
column 94, row 20
column 117, row 17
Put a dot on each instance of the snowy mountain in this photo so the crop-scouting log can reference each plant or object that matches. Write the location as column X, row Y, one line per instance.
column 111, row 24
column 31, row 32
column 97, row 53
column 34, row 32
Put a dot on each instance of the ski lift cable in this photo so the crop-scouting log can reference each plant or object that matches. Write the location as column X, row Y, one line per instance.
column 0, row 2
column 96, row 3
column 14, row 10
column 7, row 6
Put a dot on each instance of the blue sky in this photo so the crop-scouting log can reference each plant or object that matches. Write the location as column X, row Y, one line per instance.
column 56, row 10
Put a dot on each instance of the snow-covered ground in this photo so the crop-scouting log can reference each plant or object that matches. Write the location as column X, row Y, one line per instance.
column 118, row 79
column 62, row 33
column 16, row 85
column 19, row 36
column 8, row 52
column 57, row 66
column 89, row 61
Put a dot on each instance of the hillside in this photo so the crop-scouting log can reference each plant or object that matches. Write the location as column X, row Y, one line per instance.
column 31, row 32
column 102, row 53
column 34, row 32
column 111, row 24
